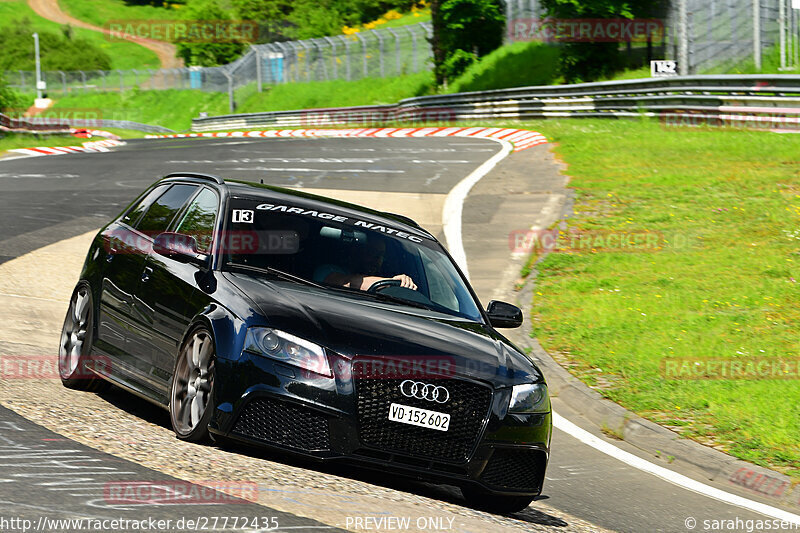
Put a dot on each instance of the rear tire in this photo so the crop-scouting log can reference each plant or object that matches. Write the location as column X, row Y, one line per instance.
column 495, row 503
column 74, row 351
column 192, row 386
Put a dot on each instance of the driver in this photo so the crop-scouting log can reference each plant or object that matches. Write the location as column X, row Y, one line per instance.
column 366, row 259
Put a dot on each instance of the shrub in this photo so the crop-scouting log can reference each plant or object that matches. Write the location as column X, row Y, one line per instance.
column 57, row 52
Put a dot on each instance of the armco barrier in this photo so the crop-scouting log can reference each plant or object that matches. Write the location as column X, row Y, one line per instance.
column 61, row 125
column 102, row 123
column 771, row 101
column 16, row 125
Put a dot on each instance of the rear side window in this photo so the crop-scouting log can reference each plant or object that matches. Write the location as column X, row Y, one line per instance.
column 198, row 221
column 162, row 211
column 134, row 214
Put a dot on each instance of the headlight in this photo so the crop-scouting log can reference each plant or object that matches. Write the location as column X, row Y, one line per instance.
column 287, row 348
column 529, row 399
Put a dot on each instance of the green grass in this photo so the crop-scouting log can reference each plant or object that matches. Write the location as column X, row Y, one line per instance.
column 172, row 109
column 336, row 93
column 723, row 287
column 21, row 140
column 770, row 64
column 24, row 140
column 100, row 12
column 124, row 55
column 631, row 74
column 514, row 65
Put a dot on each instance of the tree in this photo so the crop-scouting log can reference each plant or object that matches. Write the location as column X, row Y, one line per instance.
column 59, row 51
column 8, row 98
column 208, row 53
column 270, row 15
column 587, row 61
column 463, row 32
column 439, row 53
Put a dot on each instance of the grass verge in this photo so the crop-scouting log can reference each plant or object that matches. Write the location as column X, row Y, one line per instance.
column 514, row 65
column 124, row 55
column 25, row 140
column 174, row 109
column 724, row 207
column 337, row 93
column 100, row 12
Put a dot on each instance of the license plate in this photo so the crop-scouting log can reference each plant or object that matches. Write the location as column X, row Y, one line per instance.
column 415, row 416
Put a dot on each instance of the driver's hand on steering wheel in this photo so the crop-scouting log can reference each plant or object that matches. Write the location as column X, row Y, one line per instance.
column 406, row 282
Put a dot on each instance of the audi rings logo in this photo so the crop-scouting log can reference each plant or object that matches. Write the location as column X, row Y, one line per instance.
column 424, row 391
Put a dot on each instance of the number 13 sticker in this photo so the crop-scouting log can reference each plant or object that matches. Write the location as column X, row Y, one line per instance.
column 243, row 215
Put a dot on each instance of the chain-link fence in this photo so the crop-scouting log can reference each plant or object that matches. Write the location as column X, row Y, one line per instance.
column 708, row 35
column 374, row 53
column 703, row 35
column 722, row 33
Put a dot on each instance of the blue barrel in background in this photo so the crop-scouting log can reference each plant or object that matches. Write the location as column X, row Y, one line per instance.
column 274, row 66
column 195, row 78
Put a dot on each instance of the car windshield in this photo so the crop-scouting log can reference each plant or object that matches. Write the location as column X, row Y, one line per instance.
column 338, row 251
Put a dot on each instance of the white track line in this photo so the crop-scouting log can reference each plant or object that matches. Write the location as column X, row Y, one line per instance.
column 451, row 220
column 454, row 205
column 668, row 475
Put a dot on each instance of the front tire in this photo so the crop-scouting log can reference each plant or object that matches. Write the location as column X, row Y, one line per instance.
column 192, row 386
column 495, row 503
column 77, row 334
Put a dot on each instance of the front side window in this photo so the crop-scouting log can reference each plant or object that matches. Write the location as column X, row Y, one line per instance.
column 160, row 214
column 133, row 215
column 198, row 221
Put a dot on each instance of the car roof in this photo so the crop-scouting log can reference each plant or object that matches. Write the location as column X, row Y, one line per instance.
column 260, row 190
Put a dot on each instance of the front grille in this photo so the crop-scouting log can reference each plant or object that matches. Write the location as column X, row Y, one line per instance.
column 281, row 423
column 468, row 407
column 515, row 469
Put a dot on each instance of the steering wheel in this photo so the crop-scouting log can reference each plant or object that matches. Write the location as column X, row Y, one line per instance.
column 382, row 284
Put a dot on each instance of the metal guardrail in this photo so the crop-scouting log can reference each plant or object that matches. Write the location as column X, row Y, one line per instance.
column 722, row 99
column 62, row 125
column 122, row 124
column 17, row 125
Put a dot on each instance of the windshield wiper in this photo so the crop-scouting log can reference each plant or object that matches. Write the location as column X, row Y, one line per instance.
column 397, row 299
column 278, row 273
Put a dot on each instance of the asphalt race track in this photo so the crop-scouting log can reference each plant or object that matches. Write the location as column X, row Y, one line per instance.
column 46, row 200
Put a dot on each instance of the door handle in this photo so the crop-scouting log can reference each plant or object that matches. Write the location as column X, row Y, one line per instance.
column 146, row 273
column 112, row 251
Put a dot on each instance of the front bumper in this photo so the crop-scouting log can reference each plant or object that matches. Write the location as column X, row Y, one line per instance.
column 267, row 404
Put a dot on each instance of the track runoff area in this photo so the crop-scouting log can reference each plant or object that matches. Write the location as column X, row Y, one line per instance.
column 449, row 184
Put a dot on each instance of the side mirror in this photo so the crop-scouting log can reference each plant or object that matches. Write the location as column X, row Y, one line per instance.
column 179, row 247
column 504, row 315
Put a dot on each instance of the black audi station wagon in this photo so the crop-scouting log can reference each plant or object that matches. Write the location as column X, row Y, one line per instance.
column 299, row 323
